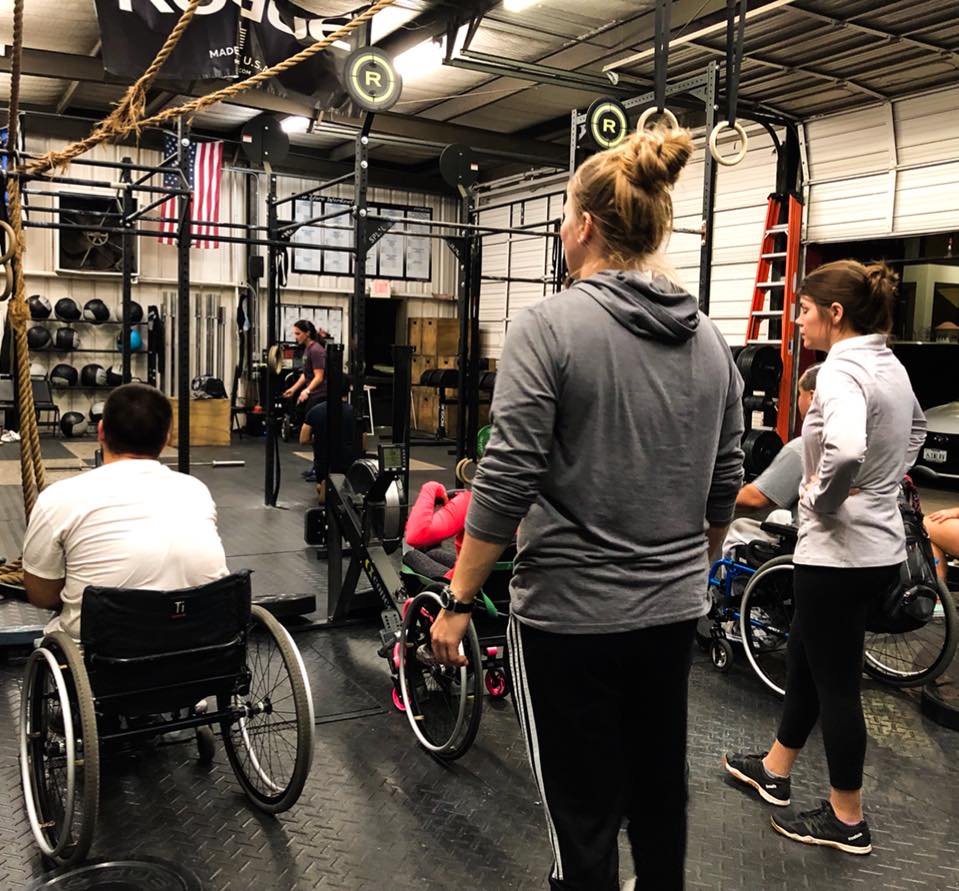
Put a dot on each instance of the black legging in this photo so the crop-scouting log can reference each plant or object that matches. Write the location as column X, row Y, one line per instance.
column 824, row 663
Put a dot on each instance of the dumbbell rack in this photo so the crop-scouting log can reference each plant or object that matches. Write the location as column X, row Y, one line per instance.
column 777, row 277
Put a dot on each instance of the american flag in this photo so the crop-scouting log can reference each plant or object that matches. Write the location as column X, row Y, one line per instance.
column 204, row 166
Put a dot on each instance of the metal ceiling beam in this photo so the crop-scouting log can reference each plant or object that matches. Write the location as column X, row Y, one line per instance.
column 387, row 126
column 799, row 69
column 890, row 36
column 64, row 102
column 300, row 161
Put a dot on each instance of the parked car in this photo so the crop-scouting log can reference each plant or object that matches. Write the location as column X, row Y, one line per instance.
column 939, row 456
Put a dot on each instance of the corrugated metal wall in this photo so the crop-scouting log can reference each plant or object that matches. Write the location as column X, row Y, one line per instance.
column 215, row 272
column 891, row 169
column 740, row 212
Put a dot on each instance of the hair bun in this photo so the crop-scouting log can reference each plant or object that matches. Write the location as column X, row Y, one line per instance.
column 883, row 281
column 653, row 159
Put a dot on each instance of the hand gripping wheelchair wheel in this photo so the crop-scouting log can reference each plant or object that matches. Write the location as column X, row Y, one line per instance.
column 270, row 742
column 59, row 750
column 443, row 704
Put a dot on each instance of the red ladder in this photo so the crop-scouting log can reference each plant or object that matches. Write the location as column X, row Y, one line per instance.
column 777, row 278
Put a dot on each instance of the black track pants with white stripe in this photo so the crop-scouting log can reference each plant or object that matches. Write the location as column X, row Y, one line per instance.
column 604, row 716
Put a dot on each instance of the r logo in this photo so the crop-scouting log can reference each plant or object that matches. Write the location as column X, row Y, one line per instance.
column 371, row 80
column 607, row 123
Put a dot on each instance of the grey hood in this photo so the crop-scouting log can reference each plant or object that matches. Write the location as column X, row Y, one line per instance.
column 648, row 307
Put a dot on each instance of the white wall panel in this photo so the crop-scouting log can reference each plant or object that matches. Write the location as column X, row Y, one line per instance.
column 891, row 169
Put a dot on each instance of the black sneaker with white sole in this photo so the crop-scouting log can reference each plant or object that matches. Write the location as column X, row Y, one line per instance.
column 749, row 769
column 822, row 827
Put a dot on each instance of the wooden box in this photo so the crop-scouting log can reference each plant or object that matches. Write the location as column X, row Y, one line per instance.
column 447, row 361
column 447, row 337
column 414, row 334
column 428, row 336
column 425, row 409
column 420, row 364
column 209, row 422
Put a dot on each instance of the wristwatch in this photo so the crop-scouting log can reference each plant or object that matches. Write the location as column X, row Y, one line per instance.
column 448, row 601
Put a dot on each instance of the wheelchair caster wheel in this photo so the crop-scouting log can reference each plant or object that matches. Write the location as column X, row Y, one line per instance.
column 721, row 653
column 398, row 703
column 496, row 684
column 205, row 745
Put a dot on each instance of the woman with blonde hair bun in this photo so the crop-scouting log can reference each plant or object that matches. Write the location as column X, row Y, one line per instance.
column 607, row 394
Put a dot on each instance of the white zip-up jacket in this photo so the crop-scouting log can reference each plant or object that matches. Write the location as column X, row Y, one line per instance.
column 863, row 431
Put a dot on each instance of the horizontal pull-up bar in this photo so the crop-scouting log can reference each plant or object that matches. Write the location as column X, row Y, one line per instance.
column 327, row 216
column 95, row 183
column 336, row 181
column 481, row 231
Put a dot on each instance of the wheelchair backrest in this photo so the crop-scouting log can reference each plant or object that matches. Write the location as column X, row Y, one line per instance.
column 164, row 648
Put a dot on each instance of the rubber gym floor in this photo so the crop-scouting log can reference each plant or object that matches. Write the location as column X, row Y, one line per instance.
column 379, row 813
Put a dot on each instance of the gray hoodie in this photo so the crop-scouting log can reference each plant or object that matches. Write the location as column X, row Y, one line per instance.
column 617, row 420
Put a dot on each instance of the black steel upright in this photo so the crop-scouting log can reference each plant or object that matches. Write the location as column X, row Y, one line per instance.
column 361, row 244
column 127, row 268
column 709, row 193
column 402, row 381
column 334, row 439
column 184, row 216
column 271, row 485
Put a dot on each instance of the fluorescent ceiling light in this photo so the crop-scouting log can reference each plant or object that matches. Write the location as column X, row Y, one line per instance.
column 420, row 60
column 695, row 35
column 295, row 123
column 425, row 57
column 517, row 5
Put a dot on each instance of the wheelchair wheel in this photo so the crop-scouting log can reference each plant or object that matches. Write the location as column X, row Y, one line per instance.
column 443, row 704
column 59, row 750
column 765, row 614
column 270, row 743
column 721, row 654
column 915, row 657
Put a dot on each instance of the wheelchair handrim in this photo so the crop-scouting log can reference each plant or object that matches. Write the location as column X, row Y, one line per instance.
column 27, row 763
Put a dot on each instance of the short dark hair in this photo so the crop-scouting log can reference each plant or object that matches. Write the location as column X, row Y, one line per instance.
column 808, row 380
column 137, row 420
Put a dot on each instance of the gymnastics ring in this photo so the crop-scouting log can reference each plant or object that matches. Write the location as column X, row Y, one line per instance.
column 11, row 242
column 646, row 115
column 461, row 469
column 733, row 160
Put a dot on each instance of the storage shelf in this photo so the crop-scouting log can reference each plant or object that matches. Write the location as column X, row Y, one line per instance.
column 86, row 322
column 54, row 352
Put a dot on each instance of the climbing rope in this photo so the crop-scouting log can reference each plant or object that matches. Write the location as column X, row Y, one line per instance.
column 31, row 462
column 123, row 126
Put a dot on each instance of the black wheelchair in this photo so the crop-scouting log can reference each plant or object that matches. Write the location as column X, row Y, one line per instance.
column 153, row 662
column 442, row 703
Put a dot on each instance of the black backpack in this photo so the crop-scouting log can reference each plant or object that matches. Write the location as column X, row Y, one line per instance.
column 909, row 604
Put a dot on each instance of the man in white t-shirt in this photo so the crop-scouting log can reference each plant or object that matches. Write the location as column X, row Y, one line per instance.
column 777, row 486
column 132, row 523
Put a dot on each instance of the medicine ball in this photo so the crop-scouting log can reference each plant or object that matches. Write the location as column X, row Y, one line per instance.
column 136, row 313
column 39, row 307
column 135, row 340
column 93, row 375
column 96, row 311
column 96, row 412
column 67, row 309
column 114, row 375
column 73, row 424
column 38, row 338
column 66, row 339
column 63, row 375
column 37, row 370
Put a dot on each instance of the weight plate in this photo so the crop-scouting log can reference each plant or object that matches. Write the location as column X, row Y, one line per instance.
column 760, row 447
column 371, row 79
column 458, row 167
column 761, row 367
column 607, row 123
column 263, row 139
column 142, row 874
